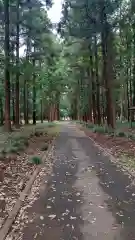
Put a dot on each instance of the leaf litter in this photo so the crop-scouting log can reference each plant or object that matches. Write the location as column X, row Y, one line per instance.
column 22, row 219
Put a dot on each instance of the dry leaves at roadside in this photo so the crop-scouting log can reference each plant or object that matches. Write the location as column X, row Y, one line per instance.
column 17, row 172
column 22, row 219
column 123, row 149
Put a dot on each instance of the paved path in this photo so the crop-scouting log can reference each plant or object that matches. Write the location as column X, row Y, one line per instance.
column 88, row 197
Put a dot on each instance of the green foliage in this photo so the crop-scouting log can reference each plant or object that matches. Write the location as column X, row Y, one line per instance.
column 90, row 125
column 36, row 160
column 120, row 134
column 13, row 149
column 99, row 129
column 50, row 125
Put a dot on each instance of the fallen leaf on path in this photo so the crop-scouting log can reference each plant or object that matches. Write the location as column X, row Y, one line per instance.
column 72, row 218
column 52, row 216
column 48, row 207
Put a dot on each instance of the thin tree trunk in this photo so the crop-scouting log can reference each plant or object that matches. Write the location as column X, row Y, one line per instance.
column 17, row 91
column 13, row 103
column 24, row 101
column 27, row 103
column 89, row 114
column 27, row 59
column 127, row 82
column 97, row 83
column 93, row 86
column 106, row 38
column 41, row 110
column 7, row 71
column 34, row 94
column 41, row 105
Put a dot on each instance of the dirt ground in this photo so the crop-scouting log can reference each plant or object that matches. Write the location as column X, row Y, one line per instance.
column 17, row 168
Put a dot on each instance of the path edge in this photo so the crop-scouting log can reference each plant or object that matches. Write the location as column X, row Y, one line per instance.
column 108, row 153
column 13, row 214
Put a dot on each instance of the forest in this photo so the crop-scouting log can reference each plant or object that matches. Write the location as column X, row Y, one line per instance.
column 100, row 48
column 86, row 70
column 82, row 67
column 31, row 80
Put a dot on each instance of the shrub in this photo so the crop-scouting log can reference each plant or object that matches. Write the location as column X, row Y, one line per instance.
column 3, row 152
column 50, row 125
column 120, row 134
column 21, row 148
column 26, row 142
column 99, row 129
column 12, row 149
column 15, row 144
column 36, row 160
column 90, row 125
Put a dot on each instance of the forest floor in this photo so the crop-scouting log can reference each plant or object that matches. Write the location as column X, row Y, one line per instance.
column 19, row 151
column 85, row 196
column 122, row 148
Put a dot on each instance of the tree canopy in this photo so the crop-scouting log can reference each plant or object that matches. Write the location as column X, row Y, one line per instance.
column 99, row 47
column 92, row 63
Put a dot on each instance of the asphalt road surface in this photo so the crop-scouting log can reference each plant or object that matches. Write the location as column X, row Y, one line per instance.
column 88, row 197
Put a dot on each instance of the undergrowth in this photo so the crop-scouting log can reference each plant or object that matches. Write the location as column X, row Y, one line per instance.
column 36, row 160
column 108, row 130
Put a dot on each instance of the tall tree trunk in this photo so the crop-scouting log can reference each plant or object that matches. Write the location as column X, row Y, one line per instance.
column 106, row 38
column 130, row 92
column 34, row 94
column 127, row 79
column 57, row 106
column 93, row 85
column 26, row 89
column 13, row 103
column 133, row 67
column 58, row 111
column 27, row 103
column 41, row 105
column 89, row 114
column 17, row 91
column 41, row 110
column 24, row 102
column 7, row 69
column 97, row 84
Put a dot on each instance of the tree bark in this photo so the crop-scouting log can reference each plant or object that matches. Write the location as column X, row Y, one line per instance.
column 17, row 90
column 34, row 94
column 7, row 65
column 97, row 84
column 13, row 103
column 41, row 111
column 93, row 86
column 106, row 38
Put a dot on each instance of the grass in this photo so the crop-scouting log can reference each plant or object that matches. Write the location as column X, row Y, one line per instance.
column 118, row 132
column 126, row 124
column 18, row 139
column 36, row 160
